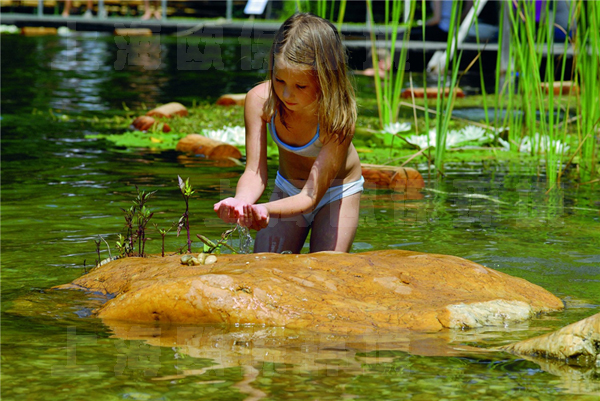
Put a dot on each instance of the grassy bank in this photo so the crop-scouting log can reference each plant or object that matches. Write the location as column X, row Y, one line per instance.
column 373, row 145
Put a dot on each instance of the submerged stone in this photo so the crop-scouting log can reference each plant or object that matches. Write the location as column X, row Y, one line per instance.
column 577, row 344
column 329, row 292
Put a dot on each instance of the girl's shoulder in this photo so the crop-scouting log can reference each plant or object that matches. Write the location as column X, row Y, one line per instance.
column 260, row 92
column 256, row 99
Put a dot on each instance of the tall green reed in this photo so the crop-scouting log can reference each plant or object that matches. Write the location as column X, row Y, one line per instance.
column 587, row 50
column 388, row 88
column 447, row 78
column 541, row 110
column 322, row 8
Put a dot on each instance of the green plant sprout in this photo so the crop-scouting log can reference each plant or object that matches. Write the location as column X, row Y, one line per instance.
column 98, row 242
column 184, row 221
column 163, row 233
column 143, row 217
column 122, row 246
column 215, row 247
column 136, row 220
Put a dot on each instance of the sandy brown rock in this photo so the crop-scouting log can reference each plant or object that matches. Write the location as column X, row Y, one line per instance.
column 576, row 344
column 378, row 291
column 133, row 32
column 400, row 179
column 232, row 99
column 431, row 92
column 38, row 31
column 200, row 145
column 146, row 123
column 169, row 110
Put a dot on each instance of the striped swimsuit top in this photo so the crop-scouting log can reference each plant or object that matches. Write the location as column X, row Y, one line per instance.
column 311, row 149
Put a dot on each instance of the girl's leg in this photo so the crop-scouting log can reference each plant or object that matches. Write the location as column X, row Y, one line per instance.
column 281, row 235
column 157, row 9
column 334, row 227
column 147, row 11
column 67, row 9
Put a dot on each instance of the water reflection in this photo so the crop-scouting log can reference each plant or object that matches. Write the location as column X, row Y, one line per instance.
column 268, row 352
column 265, row 354
column 80, row 63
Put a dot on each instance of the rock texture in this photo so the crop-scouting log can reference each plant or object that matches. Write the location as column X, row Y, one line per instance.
column 168, row 110
column 400, row 179
column 200, row 145
column 576, row 344
column 325, row 292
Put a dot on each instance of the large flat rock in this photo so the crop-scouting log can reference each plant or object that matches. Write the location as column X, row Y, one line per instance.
column 329, row 292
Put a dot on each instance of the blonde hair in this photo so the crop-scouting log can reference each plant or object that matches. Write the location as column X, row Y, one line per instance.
column 313, row 43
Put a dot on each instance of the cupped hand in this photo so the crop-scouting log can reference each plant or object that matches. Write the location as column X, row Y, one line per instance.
column 255, row 217
column 230, row 209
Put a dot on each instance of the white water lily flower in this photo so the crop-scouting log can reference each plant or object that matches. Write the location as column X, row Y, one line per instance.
column 64, row 31
column 231, row 135
column 421, row 140
column 504, row 144
column 12, row 29
column 542, row 143
column 473, row 133
column 394, row 128
column 454, row 138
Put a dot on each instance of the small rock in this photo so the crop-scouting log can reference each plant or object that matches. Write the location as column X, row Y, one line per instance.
column 169, row 110
column 210, row 259
column 212, row 149
column 146, row 123
column 575, row 344
column 234, row 99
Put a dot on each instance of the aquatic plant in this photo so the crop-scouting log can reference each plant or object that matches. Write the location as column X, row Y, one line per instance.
column 444, row 106
column 163, row 233
column 136, row 220
column 541, row 111
column 98, row 242
column 235, row 135
column 470, row 134
column 215, row 247
column 387, row 91
column 143, row 216
column 122, row 246
column 184, row 220
column 587, row 51
column 321, row 9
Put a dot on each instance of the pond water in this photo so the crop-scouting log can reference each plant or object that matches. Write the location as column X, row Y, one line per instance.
column 60, row 191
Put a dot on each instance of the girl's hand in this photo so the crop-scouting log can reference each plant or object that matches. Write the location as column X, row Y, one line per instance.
column 229, row 210
column 255, row 217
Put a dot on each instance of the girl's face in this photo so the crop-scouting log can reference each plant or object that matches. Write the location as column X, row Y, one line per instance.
column 297, row 88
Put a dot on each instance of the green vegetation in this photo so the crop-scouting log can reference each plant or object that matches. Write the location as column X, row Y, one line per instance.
column 521, row 120
column 137, row 218
column 373, row 146
column 184, row 221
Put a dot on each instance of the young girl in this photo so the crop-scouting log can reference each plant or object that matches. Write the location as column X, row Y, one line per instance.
column 309, row 109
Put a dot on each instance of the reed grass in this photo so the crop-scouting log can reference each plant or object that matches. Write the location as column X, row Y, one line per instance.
column 548, row 131
column 587, row 50
column 444, row 106
column 388, row 89
column 324, row 7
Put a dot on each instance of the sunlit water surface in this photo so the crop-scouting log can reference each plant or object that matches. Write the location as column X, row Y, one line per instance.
column 61, row 191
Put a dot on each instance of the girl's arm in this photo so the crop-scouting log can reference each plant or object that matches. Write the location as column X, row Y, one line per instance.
column 325, row 169
column 253, row 181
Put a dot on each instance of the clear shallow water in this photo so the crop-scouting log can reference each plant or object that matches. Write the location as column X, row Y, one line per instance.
column 61, row 191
